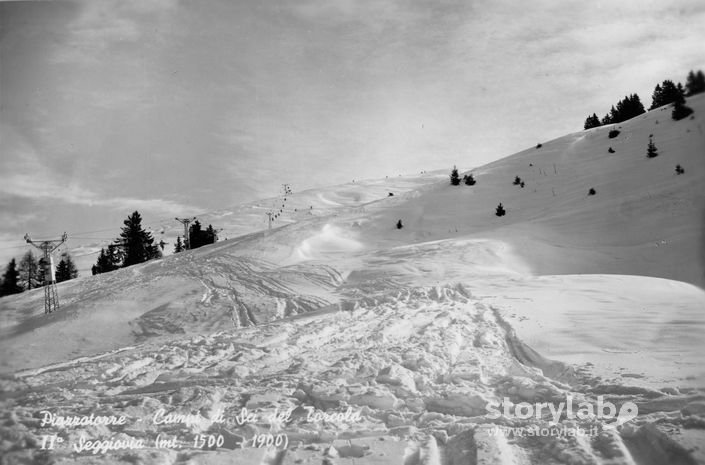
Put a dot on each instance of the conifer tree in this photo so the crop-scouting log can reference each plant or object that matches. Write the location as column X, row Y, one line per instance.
column 195, row 235
column 211, row 237
column 65, row 269
column 60, row 274
column 179, row 247
column 10, row 280
column 98, row 268
column 138, row 244
column 198, row 237
column 108, row 260
column 656, row 97
column 614, row 115
column 454, row 177
column 666, row 93
column 695, row 83
column 680, row 110
column 592, row 122
column 517, row 180
column 469, row 180
column 500, row 211
column 71, row 270
column 29, row 271
column 651, row 151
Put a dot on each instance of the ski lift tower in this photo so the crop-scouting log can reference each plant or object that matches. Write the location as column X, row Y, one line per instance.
column 185, row 222
column 51, row 295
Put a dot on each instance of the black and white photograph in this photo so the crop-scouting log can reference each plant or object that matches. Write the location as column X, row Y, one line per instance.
column 352, row 232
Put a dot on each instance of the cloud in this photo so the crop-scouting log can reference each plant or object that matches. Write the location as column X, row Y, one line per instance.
column 100, row 26
column 27, row 176
column 139, row 104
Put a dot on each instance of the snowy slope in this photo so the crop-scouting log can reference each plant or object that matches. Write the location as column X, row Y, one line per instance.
column 415, row 330
column 644, row 219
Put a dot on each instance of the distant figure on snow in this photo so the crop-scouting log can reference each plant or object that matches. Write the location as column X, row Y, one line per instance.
column 399, row 225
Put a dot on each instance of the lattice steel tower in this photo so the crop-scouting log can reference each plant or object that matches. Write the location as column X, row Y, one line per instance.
column 186, row 222
column 51, row 295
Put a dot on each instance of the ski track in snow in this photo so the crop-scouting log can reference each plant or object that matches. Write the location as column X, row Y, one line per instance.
column 419, row 364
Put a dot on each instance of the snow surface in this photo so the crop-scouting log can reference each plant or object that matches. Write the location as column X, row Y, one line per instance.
column 415, row 330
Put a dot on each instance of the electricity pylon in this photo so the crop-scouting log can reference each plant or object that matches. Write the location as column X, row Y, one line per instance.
column 185, row 222
column 51, row 295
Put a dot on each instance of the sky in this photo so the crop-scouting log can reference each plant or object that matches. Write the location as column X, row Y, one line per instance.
column 176, row 107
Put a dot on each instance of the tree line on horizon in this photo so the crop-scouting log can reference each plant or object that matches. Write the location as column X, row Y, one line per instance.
column 135, row 245
column 197, row 237
column 664, row 93
column 30, row 273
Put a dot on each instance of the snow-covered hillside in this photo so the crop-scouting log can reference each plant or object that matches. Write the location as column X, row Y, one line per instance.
column 411, row 331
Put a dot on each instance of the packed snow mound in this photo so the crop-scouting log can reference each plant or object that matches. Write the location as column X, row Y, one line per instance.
column 195, row 292
column 329, row 241
column 627, row 327
column 295, row 207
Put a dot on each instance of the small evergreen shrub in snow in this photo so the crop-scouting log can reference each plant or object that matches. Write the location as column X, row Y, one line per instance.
column 538, row 146
column 651, row 150
column 500, row 210
column 613, row 133
column 610, row 150
column 469, row 180
column 522, row 184
column 592, row 191
column 454, row 177
column 517, row 180
column 399, row 225
column 179, row 247
column 679, row 169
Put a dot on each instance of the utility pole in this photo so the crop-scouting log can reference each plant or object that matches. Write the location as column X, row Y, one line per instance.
column 185, row 222
column 51, row 295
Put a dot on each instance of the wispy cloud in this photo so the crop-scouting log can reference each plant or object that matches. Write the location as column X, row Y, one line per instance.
column 27, row 176
column 170, row 105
